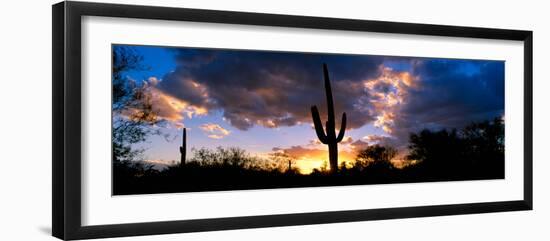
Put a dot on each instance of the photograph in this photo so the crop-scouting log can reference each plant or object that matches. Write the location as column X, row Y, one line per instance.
column 275, row 120
column 192, row 119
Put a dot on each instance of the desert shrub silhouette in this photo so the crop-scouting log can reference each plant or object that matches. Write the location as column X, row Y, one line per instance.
column 474, row 152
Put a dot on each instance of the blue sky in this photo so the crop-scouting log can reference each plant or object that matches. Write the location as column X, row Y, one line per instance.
column 260, row 101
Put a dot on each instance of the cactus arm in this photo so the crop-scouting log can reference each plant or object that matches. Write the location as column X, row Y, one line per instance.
column 342, row 128
column 318, row 125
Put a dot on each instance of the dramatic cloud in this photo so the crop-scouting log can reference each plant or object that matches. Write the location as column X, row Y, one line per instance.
column 346, row 140
column 168, row 109
column 303, row 152
column 389, row 92
column 386, row 98
column 359, row 145
column 375, row 139
column 451, row 94
column 214, row 131
column 315, row 142
column 270, row 89
column 399, row 95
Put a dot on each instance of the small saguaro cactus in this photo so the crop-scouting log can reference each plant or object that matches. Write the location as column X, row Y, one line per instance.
column 183, row 147
column 329, row 138
column 289, row 165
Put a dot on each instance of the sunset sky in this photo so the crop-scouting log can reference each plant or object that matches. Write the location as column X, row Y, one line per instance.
column 260, row 101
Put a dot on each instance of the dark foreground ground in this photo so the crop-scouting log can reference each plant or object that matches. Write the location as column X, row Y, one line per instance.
column 473, row 153
column 195, row 179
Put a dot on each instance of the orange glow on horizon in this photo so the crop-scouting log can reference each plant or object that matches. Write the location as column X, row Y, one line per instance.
column 307, row 163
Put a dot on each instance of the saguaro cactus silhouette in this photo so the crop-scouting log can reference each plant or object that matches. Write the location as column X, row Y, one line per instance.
column 289, row 165
column 183, row 147
column 329, row 138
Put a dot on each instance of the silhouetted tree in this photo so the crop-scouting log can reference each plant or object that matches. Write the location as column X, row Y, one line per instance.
column 439, row 153
column 485, row 137
column 232, row 157
column 484, row 145
column 375, row 156
column 343, row 167
column 322, row 170
column 123, row 59
column 476, row 150
column 132, row 106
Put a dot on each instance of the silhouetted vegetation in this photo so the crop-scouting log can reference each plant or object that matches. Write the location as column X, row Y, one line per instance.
column 329, row 138
column 133, row 115
column 475, row 152
column 131, row 106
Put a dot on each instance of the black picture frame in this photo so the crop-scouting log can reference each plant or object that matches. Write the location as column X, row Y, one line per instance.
column 66, row 141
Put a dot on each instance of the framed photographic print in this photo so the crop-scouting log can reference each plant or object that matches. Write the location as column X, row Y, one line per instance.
column 170, row 120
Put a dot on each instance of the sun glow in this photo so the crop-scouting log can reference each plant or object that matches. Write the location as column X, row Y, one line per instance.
column 307, row 164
